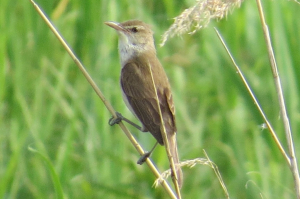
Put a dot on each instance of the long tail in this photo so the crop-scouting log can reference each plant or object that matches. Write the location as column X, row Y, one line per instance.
column 174, row 153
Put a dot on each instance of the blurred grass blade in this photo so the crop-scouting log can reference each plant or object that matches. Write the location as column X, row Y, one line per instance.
column 54, row 177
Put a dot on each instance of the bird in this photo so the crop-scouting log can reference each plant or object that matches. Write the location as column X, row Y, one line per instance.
column 143, row 81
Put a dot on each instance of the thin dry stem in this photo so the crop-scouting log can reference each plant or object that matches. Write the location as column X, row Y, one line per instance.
column 216, row 170
column 269, row 126
column 105, row 102
column 165, row 139
column 198, row 16
column 287, row 128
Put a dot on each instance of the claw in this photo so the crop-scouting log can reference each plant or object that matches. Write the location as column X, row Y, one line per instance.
column 144, row 158
column 112, row 121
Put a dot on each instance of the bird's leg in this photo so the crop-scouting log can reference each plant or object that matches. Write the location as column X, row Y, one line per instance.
column 112, row 121
column 146, row 155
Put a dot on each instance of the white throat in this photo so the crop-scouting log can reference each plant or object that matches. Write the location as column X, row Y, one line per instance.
column 128, row 49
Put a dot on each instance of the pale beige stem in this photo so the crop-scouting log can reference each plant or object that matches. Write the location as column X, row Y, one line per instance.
column 106, row 103
column 287, row 128
column 273, row 133
column 165, row 139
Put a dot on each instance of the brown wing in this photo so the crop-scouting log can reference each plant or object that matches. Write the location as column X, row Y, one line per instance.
column 137, row 86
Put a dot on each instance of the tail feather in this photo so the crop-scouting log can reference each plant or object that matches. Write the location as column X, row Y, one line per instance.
column 174, row 153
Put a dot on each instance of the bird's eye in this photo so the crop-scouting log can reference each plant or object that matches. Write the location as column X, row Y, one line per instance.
column 134, row 29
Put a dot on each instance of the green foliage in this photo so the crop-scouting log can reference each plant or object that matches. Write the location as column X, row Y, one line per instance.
column 46, row 104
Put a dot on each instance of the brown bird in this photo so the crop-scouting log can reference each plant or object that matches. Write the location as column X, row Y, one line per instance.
column 138, row 56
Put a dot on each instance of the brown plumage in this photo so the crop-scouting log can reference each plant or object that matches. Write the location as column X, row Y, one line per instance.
column 136, row 83
column 138, row 56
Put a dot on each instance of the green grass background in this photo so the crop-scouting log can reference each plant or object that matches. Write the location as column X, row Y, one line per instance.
column 47, row 105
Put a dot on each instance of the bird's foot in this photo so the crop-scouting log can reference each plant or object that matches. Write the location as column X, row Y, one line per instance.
column 144, row 158
column 115, row 120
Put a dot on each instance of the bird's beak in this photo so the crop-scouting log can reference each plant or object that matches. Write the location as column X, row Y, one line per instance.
column 115, row 25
